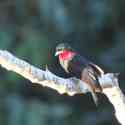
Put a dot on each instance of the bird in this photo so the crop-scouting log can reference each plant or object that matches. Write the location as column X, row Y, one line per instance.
column 80, row 67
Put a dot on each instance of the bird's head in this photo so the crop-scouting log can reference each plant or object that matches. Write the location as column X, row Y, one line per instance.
column 64, row 51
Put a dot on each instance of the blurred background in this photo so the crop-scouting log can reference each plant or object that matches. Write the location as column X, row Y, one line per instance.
column 31, row 29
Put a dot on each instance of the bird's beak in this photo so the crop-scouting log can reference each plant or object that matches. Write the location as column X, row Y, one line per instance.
column 58, row 52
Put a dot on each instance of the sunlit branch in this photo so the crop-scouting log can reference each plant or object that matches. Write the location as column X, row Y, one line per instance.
column 71, row 86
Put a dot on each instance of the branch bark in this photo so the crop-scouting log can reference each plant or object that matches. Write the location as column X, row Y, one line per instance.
column 71, row 86
column 117, row 98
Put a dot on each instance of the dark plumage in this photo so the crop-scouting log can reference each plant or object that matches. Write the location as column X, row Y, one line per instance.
column 79, row 67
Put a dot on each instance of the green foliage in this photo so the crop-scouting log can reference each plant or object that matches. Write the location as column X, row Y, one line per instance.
column 6, row 39
column 34, row 47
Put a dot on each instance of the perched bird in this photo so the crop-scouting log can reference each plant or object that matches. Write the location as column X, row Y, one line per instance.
column 80, row 68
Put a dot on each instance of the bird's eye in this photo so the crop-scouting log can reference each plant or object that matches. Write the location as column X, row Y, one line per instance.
column 59, row 49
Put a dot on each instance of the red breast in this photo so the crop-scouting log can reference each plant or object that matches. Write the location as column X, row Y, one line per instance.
column 66, row 54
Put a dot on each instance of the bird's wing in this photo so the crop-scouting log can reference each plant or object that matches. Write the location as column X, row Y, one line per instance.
column 94, row 78
column 88, row 77
column 96, row 69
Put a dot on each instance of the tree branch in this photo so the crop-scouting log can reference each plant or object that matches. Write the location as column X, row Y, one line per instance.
column 71, row 86
column 117, row 98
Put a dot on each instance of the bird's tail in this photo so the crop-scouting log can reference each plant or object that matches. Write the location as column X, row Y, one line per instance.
column 94, row 95
column 95, row 98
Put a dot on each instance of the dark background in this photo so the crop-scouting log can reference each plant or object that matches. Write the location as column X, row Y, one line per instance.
column 31, row 29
